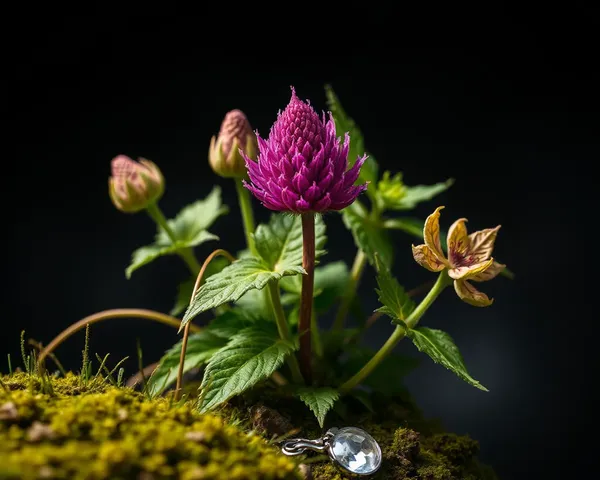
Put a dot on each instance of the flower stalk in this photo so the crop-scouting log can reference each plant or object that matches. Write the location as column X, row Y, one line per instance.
column 282, row 328
column 306, row 301
column 186, row 254
column 398, row 334
column 247, row 214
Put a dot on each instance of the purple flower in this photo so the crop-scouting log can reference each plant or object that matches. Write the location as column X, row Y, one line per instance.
column 302, row 166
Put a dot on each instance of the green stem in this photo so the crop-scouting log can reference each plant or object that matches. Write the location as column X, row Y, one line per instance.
column 306, row 298
column 282, row 327
column 399, row 333
column 442, row 282
column 316, row 334
column 358, row 267
column 247, row 214
column 186, row 254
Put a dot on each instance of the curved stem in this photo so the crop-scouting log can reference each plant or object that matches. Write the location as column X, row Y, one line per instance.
column 106, row 315
column 282, row 328
column 398, row 334
column 247, row 214
column 357, row 269
column 186, row 254
column 306, row 300
column 53, row 357
column 186, row 331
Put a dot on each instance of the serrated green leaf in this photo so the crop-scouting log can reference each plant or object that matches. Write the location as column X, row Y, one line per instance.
column 421, row 193
column 195, row 218
column 146, row 254
column 395, row 195
column 232, row 282
column 319, row 400
column 441, row 349
column 201, row 346
column 279, row 242
column 344, row 124
column 215, row 266
column 414, row 227
column 251, row 356
column 190, row 229
column 396, row 302
column 369, row 236
column 231, row 322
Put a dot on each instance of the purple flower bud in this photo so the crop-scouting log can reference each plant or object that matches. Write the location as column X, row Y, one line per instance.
column 134, row 185
column 224, row 152
column 302, row 166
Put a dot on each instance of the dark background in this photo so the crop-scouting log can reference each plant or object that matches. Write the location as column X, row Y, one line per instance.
column 505, row 101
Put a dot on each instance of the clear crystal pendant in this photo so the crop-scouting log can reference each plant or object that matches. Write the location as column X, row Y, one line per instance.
column 350, row 447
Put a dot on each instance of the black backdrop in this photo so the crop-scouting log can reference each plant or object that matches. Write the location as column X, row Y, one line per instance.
column 511, row 113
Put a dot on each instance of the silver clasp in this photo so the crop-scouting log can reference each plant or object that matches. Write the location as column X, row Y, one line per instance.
column 297, row 446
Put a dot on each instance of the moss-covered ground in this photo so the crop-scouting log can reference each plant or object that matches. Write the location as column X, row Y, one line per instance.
column 68, row 428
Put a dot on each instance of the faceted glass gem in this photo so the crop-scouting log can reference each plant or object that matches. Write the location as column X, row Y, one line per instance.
column 355, row 450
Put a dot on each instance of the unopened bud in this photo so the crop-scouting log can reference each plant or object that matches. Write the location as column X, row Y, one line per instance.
column 134, row 185
column 224, row 152
column 391, row 190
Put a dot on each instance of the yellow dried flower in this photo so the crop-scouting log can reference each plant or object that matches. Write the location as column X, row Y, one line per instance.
column 469, row 256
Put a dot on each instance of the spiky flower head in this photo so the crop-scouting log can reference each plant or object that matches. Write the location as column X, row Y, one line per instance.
column 302, row 166
column 134, row 185
column 224, row 153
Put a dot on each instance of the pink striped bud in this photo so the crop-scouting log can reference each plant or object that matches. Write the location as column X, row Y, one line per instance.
column 134, row 185
column 224, row 153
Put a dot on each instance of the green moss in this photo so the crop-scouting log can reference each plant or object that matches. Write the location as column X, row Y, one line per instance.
column 93, row 430
column 66, row 428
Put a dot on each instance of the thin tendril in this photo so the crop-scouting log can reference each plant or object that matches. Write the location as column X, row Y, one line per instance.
column 186, row 331
column 107, row 315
